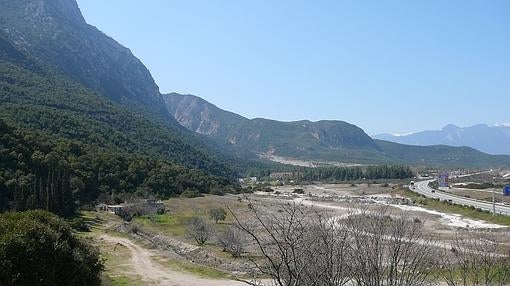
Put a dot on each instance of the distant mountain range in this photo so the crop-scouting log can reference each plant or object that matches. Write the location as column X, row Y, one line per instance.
column 488, row 139
column 322, row 141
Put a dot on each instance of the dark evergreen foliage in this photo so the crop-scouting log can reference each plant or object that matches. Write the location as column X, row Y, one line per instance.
column 38, row 248
column 38, row 171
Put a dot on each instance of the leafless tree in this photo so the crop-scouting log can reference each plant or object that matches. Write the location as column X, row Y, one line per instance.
column 299, row 246
column 199, row 230
column 233, row 241
column 378, row 247
column 389, row 249
column 282, row 240
column 475, row 258
column 303, row 246
column 328, row 253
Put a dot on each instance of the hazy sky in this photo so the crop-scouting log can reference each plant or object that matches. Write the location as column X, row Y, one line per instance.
column 386, row 66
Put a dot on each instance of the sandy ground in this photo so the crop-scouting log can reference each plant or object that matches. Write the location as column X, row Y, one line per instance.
column 338, row 196
column 142, row 263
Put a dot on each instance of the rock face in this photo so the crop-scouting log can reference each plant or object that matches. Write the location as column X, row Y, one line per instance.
column 263, row 135
column 55, row 31
column 200, row 116
column 492, row 140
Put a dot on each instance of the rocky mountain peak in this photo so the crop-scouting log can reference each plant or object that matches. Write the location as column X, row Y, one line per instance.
column 55, row 32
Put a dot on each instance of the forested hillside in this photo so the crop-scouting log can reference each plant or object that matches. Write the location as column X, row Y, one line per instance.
column 38, row 170
column 71, row 66
column 63, row 145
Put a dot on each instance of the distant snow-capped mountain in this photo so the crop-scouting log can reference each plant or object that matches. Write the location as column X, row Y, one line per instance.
column 488, row 139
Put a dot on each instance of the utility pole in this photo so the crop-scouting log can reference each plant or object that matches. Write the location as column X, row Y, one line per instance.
column 493, row 196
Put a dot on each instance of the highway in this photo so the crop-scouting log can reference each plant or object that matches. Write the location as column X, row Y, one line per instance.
column 424, row 189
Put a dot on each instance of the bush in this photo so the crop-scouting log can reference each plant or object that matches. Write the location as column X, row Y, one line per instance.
column 217, row 214
column 79, row 224
column 39, row 248
column 217, row 192
column 189, row 193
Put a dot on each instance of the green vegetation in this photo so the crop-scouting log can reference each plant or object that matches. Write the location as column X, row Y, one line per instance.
column 38, row 248
column 444, row 206
column 63, row 146
column 441, row 155
column 107, row 280
column 38, row 171
column 217, row 214
column 354, row 173
column 324, row 140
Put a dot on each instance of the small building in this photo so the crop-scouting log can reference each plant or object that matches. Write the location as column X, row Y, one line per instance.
column 114, row 209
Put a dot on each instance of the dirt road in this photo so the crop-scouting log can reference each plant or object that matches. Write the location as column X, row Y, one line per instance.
column 152, row 273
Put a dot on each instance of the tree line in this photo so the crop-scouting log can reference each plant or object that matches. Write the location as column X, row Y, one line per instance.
column 342, row 173
column 38, row 171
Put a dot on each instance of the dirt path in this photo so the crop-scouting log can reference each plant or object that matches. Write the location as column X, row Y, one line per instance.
column 142, row 263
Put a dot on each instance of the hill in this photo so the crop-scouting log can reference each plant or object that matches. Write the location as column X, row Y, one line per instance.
column 304, row 139
column 67, row 139
column 49, row 45
column 334, row 142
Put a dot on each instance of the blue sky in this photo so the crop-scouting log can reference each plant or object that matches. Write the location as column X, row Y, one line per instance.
column 386, row 66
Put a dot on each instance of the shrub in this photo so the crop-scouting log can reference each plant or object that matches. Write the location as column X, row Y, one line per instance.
column 217, row 192
column 217, row 214
column 189, row 193
column 79, row 224
column 39, row 248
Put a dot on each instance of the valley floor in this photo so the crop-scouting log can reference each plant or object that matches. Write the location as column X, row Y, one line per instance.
column 159, row 252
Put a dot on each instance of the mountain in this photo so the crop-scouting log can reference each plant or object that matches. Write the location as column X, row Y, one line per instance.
column 322, row 141
column 333, row 140
column 82, row 120
column 55, row 32
column 488, row 139
column 49, row 41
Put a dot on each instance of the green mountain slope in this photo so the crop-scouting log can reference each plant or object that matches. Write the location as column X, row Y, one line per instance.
column 331, row 141
column 49, row 39
column 303, row 139
column 63, row 145
column 441, row 155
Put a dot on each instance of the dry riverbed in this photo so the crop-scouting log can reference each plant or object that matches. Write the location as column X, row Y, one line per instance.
column 162, row 254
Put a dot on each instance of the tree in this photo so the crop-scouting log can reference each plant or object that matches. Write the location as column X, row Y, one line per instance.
column 304, row 246
column 233, row 241
column 389, row 248
column 199, row 230
column 299, row 246
column 38, row 248
column 217, row 214
column 475, row 258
